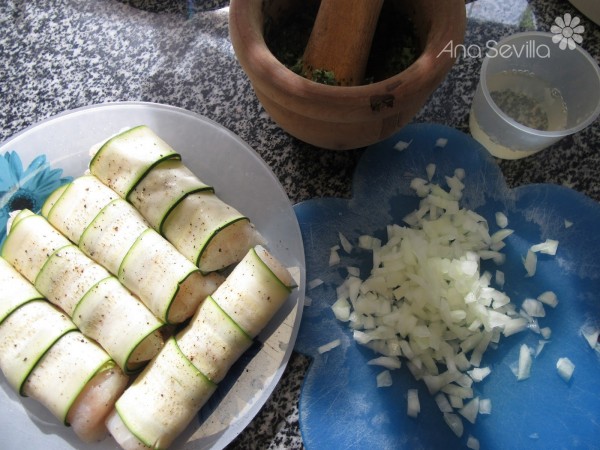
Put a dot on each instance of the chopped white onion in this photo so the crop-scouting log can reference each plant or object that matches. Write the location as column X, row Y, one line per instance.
column 455, row 423
column 441, row 142
column 540, row 347
column 530, row 263
column 524, row 365
column 565, row 368
column 591, row 333
column 442, row 401
column 478, row 374
column 548, row 298
column 345, row 243
column 470, row 410
column 568, row 224
column 485, row 406
column 413, row 407
column 334, row 257
column 546, row 332
column 427, row 299
column 389, row 362
column 430, row 170
column 314, row 283
column 402, row 145
column 472, row 443
column 549, row 247
column 341, row 309
column 533, row 307
column 384, row 379
column 329, row 346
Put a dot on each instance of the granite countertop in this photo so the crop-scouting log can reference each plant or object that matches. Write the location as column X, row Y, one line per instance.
column 57, row 55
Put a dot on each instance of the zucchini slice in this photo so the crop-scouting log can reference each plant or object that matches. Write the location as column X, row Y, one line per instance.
column 30, row 241
column 161, row 190
column 121, row 324
column 15, row 290
column 212, row 341
column 254, row 290
column 64, row 371
column 111, row 234
column 170, row 285
column 144, row 150
column 163, row 399
column 67, row 275
column 209, row 232
column 26, row 335
column 80, row 202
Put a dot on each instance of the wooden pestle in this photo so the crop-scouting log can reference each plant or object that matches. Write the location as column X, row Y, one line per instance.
column 340, row 41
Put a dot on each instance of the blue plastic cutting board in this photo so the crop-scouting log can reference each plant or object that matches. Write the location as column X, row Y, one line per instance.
column 340, row 405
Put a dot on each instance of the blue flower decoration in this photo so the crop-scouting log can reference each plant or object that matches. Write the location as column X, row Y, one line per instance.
column 29, row 188
column 341, row 405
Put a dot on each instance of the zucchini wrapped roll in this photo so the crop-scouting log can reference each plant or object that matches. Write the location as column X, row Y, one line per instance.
column 209, row 232
column 45, row 357
column 163, row 401
column 114, row 234
column 98, row 303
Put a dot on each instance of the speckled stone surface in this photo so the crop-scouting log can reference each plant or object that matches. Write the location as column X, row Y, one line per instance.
column 57, row 55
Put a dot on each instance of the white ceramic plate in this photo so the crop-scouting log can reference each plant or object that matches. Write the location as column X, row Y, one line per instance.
column 242, row 179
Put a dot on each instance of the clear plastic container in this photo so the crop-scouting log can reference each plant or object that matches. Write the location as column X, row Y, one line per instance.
column 532, row 93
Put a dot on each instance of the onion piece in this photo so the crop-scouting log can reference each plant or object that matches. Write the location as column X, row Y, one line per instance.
column 314, row 283
column 530, row 263
column 334, row 257
column 384, row 379
column 523, row 369
column 470, row 410
column 402, row 145
column 455, row 424
column 549, row 247
column 329, row 346
column 485, row 406
column 591, row 333
column 345, row 243
column 548, row 298
column 389, row 362
column 413, row 407
column 472, row 443
column 478, row 374
column 533, row 307
column 443, row 404
column 565, row 368
column 441, row 142
column 430, row 170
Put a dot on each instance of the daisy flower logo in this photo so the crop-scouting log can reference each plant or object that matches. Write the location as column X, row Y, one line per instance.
column 567, row 31
column 25, row 188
